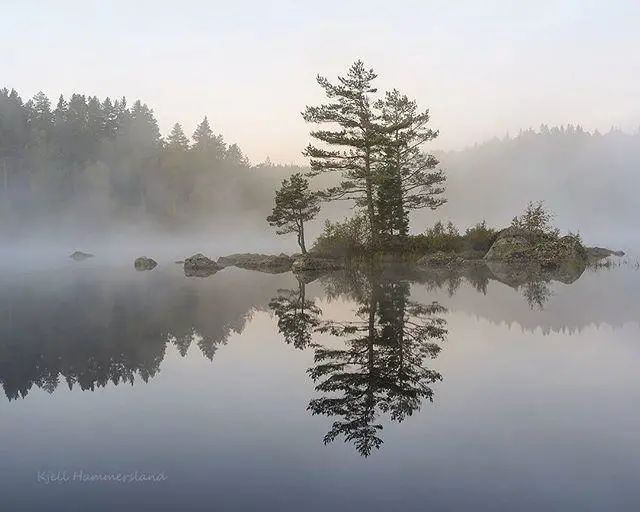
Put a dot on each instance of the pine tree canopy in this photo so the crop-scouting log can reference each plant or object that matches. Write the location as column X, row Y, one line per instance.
column 375, row 146
column 295, row 204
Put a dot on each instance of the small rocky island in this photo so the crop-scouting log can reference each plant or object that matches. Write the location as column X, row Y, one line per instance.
column 529, row 249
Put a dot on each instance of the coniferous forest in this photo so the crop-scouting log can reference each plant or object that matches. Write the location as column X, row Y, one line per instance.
column 96, row 161
column 81, row 161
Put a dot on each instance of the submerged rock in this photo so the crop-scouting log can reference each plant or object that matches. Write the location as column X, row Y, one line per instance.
column 308, row 263
column 145, row 263
column 261, row 262
column 599, row 253
column 199, row 265
column 80, row 256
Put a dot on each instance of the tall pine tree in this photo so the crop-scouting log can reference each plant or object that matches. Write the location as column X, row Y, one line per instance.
column 352, row 146
column 408, row 178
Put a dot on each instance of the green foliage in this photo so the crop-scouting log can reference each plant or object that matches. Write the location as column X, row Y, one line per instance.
column 442, row 238
column 536, row 220
column 408, row 178
column 392, row 216
column 576, row 236
column 347, row 238
column 352, row 238
column 446, row 238
column 480, row 237
column 295, row 205
column 376, row 149
column 350, row 149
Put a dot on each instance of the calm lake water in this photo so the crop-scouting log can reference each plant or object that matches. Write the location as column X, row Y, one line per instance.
column 369, row 390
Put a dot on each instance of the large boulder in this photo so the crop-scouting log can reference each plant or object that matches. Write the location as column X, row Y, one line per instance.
column 80, row 256
column 145, row 263
column 199, row 265
column 517, row 246
column 261, row 262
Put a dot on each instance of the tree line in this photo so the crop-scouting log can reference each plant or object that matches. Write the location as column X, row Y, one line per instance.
column 107, row 159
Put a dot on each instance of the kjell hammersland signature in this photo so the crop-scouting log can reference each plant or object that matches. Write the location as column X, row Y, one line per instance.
column 81, row 476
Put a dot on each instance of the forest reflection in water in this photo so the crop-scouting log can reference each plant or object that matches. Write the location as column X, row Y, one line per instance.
column 91, row 327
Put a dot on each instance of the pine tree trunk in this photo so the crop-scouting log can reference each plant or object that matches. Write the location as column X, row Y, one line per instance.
column 403, row 227
column 301, row 295
column 371, row 213
column 301, row 238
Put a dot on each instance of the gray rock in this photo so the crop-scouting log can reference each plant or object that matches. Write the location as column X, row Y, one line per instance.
column 199, row 265
column 261, row 262
column 80, row 256
column 517, row 246
column 599, row 253
column 145, row 263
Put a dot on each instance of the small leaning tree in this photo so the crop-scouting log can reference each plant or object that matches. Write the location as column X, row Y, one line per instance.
column 295, row 204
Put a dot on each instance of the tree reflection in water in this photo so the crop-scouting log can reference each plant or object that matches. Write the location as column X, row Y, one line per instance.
column 297, row 316
column 379, row 367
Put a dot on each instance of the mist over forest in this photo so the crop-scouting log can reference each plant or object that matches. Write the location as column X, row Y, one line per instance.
column 588, row 180
column 88, row 167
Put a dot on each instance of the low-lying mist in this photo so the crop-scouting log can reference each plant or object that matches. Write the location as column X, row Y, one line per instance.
column 97, row 176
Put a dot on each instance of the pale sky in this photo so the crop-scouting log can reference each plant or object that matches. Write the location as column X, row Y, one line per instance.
column 483, row 68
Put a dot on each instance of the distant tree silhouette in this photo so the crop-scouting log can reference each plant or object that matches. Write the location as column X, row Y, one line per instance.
column 106, row 159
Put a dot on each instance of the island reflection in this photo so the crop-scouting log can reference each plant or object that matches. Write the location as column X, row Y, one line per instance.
column 89, row 329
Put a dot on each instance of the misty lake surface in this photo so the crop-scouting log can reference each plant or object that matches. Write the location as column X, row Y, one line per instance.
column 363, row 390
